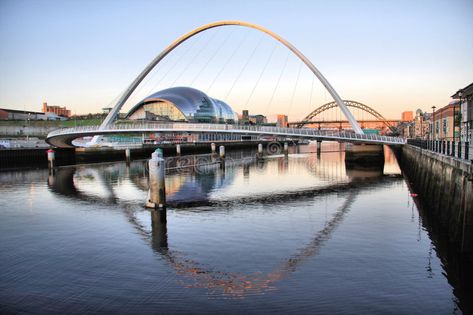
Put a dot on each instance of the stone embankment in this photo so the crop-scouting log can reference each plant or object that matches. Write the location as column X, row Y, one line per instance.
column 444, row 185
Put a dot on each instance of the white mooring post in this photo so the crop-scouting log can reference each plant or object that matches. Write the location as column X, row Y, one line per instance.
column 51, row 159
column 222, row 157
column 157, row 187
column 178, row 149
column 127, row 155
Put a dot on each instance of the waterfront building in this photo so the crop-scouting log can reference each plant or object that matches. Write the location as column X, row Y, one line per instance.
column 282, row 121
column 258, row 119
column 245, row 117
column 14, row 114
column 182, row 104
column 445, row 122
column 58, row 110
column 407, row 116
column 465, row 98
column 407, row 129
column 421, row 124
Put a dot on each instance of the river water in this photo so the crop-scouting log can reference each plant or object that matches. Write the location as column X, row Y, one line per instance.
column 302, row 234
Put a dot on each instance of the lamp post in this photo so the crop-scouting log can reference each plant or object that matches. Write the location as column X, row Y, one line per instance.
column 460, row 94
column 433, row 122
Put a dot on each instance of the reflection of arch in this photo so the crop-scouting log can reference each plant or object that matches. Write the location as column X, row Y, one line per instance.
column 366, row 108
column 236, row 284
column 124, row 97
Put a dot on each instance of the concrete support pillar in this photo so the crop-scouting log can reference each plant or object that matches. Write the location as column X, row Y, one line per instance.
column 286, row 148
column 178, row 149
column 51, row 159
column 259, row 155
column 213, row 148
column 157, row 187
column 127, row 156
column 221, row 151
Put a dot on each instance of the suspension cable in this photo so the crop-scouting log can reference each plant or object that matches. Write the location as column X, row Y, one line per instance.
column 212, row 56
column 199, row 52
column 175, row 63
column 295, row 87
column 244, row 67
column 279, row 79
column 261, row 74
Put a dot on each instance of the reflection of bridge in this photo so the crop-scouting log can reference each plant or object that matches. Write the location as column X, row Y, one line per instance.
column 230, row 283
column 64, row 137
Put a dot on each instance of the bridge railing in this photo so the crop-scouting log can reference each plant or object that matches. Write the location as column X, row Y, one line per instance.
column 288, row 132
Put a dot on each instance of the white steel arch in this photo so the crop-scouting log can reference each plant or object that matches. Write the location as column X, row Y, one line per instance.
column 124, row 97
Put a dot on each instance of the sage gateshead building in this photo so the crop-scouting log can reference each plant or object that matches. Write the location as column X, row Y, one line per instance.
column 182, row 104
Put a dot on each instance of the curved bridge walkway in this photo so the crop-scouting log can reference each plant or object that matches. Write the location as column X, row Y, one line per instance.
column 64, row 137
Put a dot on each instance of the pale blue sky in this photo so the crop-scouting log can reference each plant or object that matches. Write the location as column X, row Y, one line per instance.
column 391, row 55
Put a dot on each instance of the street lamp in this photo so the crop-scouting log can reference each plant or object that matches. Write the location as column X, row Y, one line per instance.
column 433, row 122
column 460, row 94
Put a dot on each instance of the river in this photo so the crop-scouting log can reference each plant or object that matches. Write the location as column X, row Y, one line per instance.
column 297, row 234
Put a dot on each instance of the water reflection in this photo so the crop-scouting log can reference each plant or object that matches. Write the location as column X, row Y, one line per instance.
column 200, row 181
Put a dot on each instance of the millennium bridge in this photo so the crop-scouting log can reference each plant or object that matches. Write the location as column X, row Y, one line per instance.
column 64, row 137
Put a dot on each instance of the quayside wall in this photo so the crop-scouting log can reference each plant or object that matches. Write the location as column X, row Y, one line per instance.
column 444, row 187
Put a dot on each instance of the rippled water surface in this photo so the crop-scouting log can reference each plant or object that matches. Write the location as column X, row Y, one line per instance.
column 303, row 234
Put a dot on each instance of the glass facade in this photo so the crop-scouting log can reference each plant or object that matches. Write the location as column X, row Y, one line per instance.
column 183, row 104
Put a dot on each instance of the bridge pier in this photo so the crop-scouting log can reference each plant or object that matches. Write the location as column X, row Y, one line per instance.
column 369, row 154
column 213, row 148
column 51, row 159
column 221, row 150
column 178, row 149
column 259, row 155
column 286, row 149
column 319, row 146
column 127, row 155
column 157, row 186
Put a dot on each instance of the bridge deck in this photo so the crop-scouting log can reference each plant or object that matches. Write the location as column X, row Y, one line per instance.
column 64, row 137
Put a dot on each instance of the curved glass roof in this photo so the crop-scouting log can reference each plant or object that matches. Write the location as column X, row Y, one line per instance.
column 193, row 103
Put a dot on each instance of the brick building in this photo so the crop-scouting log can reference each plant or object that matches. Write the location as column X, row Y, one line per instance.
column 60, row 111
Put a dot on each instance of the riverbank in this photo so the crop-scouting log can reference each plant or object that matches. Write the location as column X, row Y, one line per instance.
column 444, row 186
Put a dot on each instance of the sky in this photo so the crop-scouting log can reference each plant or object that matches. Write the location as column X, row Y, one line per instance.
column 391, row 55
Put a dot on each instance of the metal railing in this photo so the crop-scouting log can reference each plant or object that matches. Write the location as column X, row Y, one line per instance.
column 263, row 130
column 458, row 149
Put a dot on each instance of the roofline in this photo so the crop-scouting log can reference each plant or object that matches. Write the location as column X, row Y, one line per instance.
column 467, row 90
column 22, row 111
